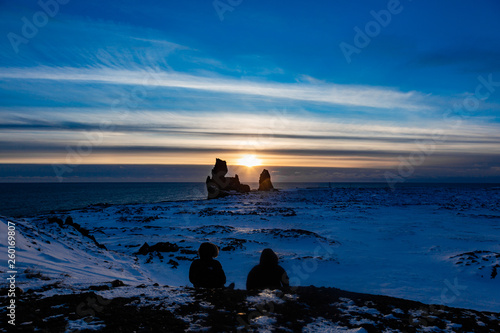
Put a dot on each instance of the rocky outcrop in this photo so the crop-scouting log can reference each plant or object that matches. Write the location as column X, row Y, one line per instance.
column 265, row 181
column 69, row 221
column 158, row 247
column 219, row 185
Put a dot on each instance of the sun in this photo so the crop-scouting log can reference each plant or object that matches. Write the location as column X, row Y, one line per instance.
column 249, row 161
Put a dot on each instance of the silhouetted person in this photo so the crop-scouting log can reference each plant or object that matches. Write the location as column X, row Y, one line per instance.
column 207, row 272
column 268, row 274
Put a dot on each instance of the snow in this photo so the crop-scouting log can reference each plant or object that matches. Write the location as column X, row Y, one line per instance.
column 263, row 324
column 414, row 243
column 80, row 325
column 320, row 325
column 169, row 298
column 266, row 296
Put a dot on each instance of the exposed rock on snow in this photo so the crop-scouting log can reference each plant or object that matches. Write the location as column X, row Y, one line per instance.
column 483, row 263
column 365, row 239
column 158, row 247
column 83, row 231
column 295, row 234
column 174, row 309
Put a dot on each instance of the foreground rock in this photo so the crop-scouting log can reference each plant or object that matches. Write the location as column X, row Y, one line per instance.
column 265, row 181
column 155, row 308
column 220, row 186
column 158, row 247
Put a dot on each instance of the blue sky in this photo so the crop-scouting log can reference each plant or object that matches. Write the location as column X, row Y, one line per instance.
column 361, row 90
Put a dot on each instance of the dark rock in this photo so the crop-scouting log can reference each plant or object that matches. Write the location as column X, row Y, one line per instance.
column 57, row 220
column 219, row 171
column 117, row 283
column 234, row 244
column 101, row 246
column 265, row 181
column 173, row 263
column 144, row 249
column 165, row 247
column 98, row 288
column 219, row 185
column 244, row 188
column 187, row 251
column 494, row 271
column 69, row 220
column 158, row 247
column 354, row 311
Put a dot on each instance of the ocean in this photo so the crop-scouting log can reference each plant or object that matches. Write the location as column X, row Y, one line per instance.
column 29, row 199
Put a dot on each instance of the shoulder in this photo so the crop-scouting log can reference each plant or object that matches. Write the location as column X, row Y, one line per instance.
column 196, row 263
column 256, row 269
column 280, row 269
column 215, row 263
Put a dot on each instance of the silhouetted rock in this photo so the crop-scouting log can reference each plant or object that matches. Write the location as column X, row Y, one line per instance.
column 84, row 232
column 54, row 219
column 144, row 249
column 117, row 283
column 219, row 172
column 219, row 185
column 265, row 181
column 165, row 247
column 158, row 247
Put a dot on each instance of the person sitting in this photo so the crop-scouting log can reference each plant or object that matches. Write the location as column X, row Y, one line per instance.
column 207, row 272
column 268, row 274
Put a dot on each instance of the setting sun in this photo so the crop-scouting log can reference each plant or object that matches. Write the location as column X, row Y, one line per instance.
column 249, row 161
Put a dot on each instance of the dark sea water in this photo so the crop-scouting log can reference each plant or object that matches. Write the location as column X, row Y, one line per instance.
column 28, row 199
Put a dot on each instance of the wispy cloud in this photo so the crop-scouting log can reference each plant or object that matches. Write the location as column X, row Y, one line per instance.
column 335, row 94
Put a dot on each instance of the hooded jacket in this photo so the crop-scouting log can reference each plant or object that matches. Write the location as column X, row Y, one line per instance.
column 207, row 272
column 267, row 274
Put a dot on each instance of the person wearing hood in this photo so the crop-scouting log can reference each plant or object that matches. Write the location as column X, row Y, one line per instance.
column 207, row 272
column 268, row 274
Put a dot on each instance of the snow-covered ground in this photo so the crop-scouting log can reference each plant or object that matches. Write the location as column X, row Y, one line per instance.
column 435, row 245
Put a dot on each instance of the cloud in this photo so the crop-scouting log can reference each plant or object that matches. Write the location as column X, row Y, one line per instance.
column 334, row 94
column 197, row 173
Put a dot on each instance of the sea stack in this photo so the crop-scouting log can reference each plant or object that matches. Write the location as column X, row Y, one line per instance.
column 219, row 185
column 265, row 181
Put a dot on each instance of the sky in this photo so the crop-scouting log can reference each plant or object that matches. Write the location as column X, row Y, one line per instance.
column 325, row 91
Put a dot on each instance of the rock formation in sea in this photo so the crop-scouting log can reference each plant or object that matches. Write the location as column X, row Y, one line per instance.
column 265, row 181
column 219, row 185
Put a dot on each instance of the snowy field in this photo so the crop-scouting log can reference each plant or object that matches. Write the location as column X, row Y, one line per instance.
column 435, row 245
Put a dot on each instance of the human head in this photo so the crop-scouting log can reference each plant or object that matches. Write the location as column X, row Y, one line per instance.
column 208, row 251
column 268, row 257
